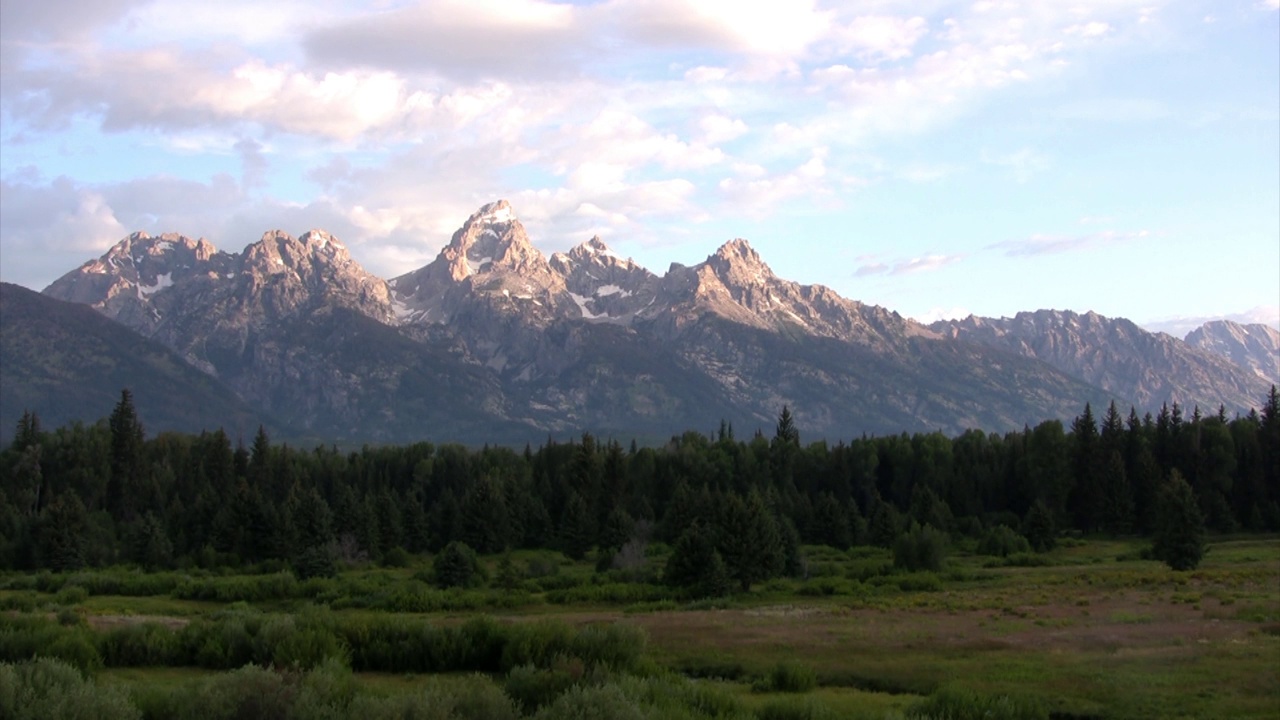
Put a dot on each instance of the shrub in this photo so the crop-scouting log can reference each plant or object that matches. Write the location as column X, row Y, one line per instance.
column 142, row 645
column 71, row 595
column 250, row 692
column 920, row 548
column 956, row 703
column 788, row 676
column 533, row 688
column 591, row 703
column 396, row 557
column 456, row 566
column 47, row 688
column 25, row 638
column 1003, row 541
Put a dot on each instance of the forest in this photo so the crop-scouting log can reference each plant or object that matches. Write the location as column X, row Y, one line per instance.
column 105, row 494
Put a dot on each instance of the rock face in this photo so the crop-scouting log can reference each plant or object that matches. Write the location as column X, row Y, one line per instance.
column 1144, row 368
column 493, row 341
column 1255, row 346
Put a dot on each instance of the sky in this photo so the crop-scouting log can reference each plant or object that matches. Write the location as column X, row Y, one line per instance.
column 935, row 158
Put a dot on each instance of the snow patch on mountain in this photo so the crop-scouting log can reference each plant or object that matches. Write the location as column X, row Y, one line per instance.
column 162, row 281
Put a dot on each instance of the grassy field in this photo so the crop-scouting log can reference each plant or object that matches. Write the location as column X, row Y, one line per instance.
column 1088, row 630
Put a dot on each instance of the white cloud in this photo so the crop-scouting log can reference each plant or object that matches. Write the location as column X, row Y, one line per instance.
column 1089, row 30
column 908, row 266
column 1024, row 163
column 718, row 128
column 1179, row 325
column 755, row 194
column 884, row 37
column 1042, row 244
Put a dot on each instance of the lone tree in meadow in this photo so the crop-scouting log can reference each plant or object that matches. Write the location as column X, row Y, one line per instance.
column 1179, row 526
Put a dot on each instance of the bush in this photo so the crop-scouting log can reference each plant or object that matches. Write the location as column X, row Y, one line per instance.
column 920, row 548
column 456, row 566
column 71, row 595
column 788, row 676
column 1003, row 541
column 591, row 703
column 955, row 703
column 45, row 688
column 532, row 688
column 25, row 638
column 143, row 645
column 396, row 557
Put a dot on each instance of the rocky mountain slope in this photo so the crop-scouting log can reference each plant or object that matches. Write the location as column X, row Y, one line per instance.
column 494, row 341
column 1145, row 368
column 66, row 362
column 1254, row 346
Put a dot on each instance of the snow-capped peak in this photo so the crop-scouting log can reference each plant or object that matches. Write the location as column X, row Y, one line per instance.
column 494, row 213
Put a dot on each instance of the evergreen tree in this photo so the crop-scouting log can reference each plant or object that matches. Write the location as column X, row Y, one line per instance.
column 149, row 544
column 485, row 521
column 28, row 432
column 831, row 523
column 311, row 523
column 62, row 533
column 1179, row 531
column 749, row 540
column 1086, row 498
column 1039, row 528
column 126, row 457
column 1118, row 502
column 576, row 531
column 883, row 526
column 696, row 565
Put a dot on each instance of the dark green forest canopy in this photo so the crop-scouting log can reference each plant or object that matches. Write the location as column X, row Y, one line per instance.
column 106, row 493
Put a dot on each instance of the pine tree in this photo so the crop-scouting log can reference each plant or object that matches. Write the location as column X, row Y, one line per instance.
column 126, row 458
column 149, row 544
column 696, row 565
column 1085, row 500
column 749, row 540
column 1179, row 531
column 576, row 531
column 62, row 533
column 1038, row 527
column 311, row 523
column 28, row 432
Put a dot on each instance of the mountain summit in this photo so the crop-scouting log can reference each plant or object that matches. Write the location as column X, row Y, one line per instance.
column 493, row 341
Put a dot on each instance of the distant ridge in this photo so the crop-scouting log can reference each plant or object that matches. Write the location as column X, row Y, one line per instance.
column 67, row 363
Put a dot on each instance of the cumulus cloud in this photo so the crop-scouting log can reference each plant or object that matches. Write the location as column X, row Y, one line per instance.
column 882, row 37
column 755, row 192
column 465, row 39
column 408, row 116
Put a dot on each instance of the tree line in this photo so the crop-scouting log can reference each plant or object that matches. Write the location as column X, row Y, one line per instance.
column 735, row 511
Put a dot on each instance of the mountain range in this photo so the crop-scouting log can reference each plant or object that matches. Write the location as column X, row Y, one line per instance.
column 494, row 341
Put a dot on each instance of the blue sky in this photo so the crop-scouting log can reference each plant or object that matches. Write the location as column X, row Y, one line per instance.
column 936, row 158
